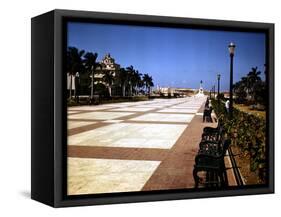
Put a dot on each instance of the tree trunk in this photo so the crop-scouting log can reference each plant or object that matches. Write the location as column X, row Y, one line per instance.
column 109, row 90
column 70, row 90
column 74, row 92
column 92, row 86
column 123, row 90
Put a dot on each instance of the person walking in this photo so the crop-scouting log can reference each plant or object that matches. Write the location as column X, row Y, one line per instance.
column 227, row 106
column 207, row 102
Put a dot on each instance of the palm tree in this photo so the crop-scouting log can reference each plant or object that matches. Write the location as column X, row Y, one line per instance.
column 130, row 71
column 122, row 79
column 239, row 89
column 90, row 62
column 150, row 83
column 243, row 86
column 140, row 82
column 74, row 64
column 147, row 82
column 108, row 79
column 253, row 78
column 136, row 81
column 250, row 86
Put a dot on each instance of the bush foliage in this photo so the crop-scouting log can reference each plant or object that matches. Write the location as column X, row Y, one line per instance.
column 248, row 133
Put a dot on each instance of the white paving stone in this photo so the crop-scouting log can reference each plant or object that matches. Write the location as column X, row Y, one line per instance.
column 90, row 108
column 178, row 110
column 185, row 118
column 132, row 109
column 72, row 112
column 105, row 115
column 150, row 106
column 135, row 135
column 92, row 176
column 75, row 124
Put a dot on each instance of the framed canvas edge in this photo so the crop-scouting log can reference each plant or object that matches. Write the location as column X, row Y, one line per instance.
column 59, row 197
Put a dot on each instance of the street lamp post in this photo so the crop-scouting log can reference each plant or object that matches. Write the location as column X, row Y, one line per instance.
column 218, row 96
column 218, row 77
column 231, row 48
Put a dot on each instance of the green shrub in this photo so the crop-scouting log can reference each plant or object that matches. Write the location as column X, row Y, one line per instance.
column 248, row 132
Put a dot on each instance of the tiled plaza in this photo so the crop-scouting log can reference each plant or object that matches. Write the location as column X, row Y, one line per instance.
column 133, row 146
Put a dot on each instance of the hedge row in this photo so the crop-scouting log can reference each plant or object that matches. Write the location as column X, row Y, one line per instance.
column 248, row 133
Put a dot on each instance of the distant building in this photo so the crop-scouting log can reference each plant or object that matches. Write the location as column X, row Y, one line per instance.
column 186, row 91
column 107, row 65
column 172, row 91
column 166, row 91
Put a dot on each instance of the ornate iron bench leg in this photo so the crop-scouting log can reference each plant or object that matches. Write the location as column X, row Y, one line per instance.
column 225, row 177
column 196, row 177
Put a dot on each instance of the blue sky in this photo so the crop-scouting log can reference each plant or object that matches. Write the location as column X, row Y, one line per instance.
column 172, row 56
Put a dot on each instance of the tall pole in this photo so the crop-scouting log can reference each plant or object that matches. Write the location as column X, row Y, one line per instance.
column 218, row 96
column 92, row 85
column 70, row 93
column 231, row 86
column 218, row 86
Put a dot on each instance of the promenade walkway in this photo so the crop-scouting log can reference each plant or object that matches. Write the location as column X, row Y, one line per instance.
column 134, row 146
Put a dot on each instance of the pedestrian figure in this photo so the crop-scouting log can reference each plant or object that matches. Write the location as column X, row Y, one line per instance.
column 207, row 115
column 227, row 106
column 207, row 103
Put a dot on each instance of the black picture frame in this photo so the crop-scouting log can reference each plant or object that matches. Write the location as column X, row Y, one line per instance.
column 49, row 114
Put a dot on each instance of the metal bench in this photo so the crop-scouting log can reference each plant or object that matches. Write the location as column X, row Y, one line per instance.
column 213, row 134
column 207, row 115
column 210, row 159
